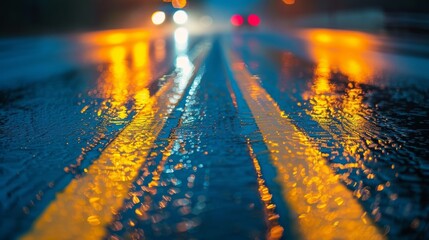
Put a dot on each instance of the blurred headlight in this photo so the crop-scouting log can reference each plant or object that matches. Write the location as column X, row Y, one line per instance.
column 180, row 17
column 158, row 17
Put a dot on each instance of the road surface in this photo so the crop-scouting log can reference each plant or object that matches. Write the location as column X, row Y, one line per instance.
column 125, row 134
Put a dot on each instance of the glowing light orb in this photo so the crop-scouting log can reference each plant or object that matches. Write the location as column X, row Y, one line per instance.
column 253, row 20
column 180, row 17
column 237, row 20
column 158, row 17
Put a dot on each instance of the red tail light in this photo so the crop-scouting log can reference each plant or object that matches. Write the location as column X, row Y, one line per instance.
column 253, row 20
column 237, row 20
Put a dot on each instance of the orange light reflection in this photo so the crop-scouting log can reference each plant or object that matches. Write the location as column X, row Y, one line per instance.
column 324, row 207
column 160, row 51
column 344, row 115
column 124, row 80
column 115, row 85
column 346, row 51
column 114, row 37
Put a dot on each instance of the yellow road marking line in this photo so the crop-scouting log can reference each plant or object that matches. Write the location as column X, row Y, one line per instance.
column 87, row 205
column 324, row 208
column 275, row 230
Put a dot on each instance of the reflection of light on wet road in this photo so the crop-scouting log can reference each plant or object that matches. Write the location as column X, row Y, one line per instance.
column 97, row 45
column 366, row 134
column 322, row 90
column 142, row 76
column 325, row 208
column 140, row 55
column 88, row 203
column 176, row 136
column 183, row 63
column 123, row 87
column 114, row 37
column 342, row 51
column 343, row 116
column 322, row 75
column 181, row 38
column 160, row 51
column 345, row 51
column 116, row 83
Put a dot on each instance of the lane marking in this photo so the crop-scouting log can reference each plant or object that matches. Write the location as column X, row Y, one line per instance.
column 324, row 208
column 275, row 230
column 87, row 205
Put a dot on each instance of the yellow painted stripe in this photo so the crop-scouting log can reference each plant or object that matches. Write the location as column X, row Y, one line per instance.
column 275, row 230
column 324, row 208
column 87, row 205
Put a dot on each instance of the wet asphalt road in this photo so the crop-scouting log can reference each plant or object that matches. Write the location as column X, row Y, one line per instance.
column 243, row 135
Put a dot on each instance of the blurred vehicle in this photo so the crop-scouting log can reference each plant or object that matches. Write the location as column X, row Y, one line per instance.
column 244, row 20
column 169, row 15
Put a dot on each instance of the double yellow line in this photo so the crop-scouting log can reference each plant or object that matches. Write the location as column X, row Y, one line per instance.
column 87, row 205
column 323, row 207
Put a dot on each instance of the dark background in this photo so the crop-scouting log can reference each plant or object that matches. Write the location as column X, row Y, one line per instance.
column 18, row 17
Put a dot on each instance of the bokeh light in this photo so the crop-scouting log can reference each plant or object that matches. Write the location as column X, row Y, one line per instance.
column 237, row 20
column 180, row 17
column 179, row 3
column 158, row 17
column 253, row 20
